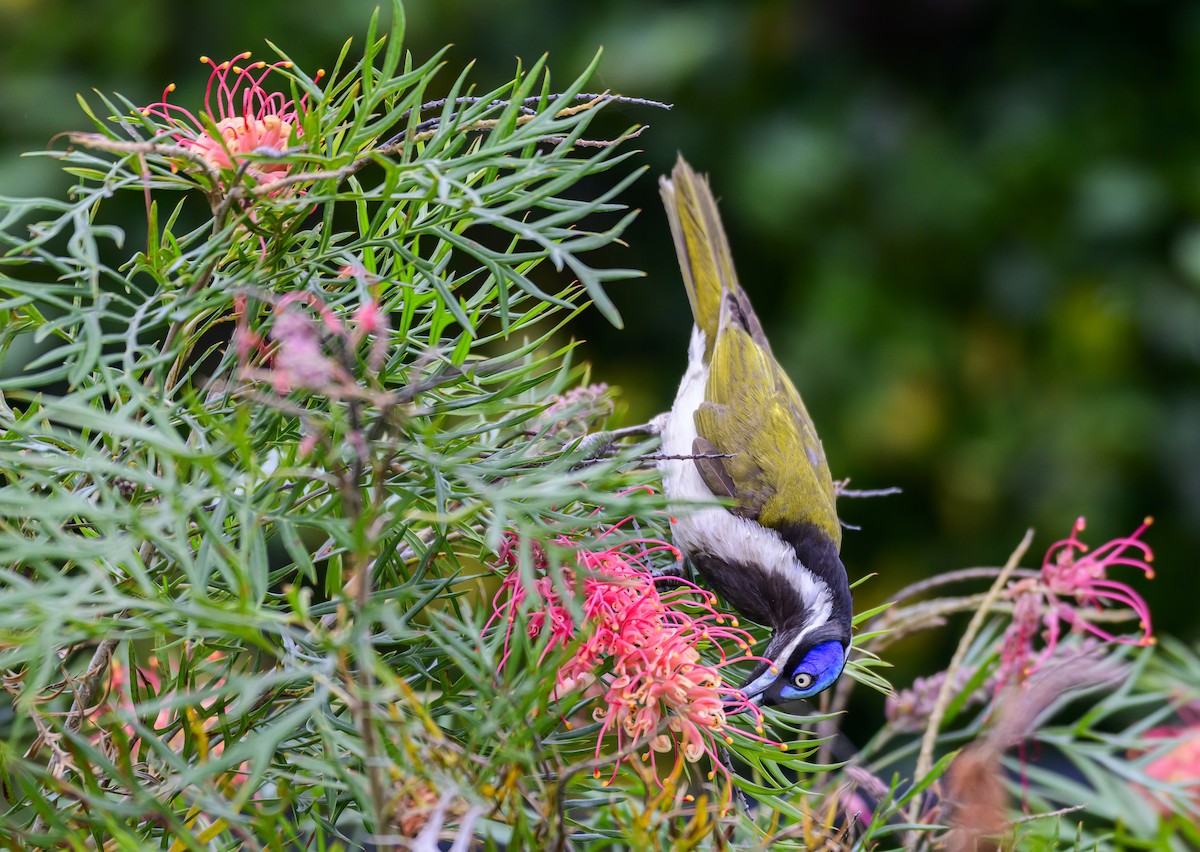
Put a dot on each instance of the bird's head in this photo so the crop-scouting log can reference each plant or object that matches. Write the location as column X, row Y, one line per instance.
column 799, row 663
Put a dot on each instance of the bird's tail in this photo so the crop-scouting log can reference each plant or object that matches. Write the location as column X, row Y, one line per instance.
column 701, row 245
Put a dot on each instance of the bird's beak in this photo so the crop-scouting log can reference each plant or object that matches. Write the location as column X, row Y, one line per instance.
column 755, row 687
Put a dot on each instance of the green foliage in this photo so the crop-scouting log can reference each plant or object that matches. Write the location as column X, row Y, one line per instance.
column 286, row 572
column 1068, row 757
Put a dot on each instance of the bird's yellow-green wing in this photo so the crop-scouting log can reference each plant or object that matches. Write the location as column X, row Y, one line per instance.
column 776, row 470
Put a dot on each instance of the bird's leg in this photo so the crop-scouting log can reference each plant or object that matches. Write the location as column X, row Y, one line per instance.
column 599, row 444
column 672, row 575
column 676, row 570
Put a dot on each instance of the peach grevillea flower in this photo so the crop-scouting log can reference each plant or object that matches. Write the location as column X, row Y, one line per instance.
column 198, row 718
column 638, row 648
column 247, row 119
column 1072, row 578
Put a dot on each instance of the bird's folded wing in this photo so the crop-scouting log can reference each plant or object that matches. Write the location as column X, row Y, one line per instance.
column 776, row 469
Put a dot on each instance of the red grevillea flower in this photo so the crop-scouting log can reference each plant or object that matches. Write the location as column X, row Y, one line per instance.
column 246, row 116
column 1073, row 578
column 639, row 648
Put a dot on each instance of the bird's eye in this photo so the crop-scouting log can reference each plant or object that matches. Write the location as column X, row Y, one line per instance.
column 803, row 680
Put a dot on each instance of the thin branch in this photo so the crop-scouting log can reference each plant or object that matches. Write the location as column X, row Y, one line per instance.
column 170, row 152
column 431, row 127
column 653, row 457
column 358, row 585
column 959, row 576
column 1050, row 814
column 86, row 688
column 925, row 757
column 527, row 109
column 597, row 143
column 904, row 622
column 684, row 456
column 89, row 684
column 856, row 493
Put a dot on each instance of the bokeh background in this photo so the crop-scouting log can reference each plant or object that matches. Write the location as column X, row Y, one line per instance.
column 972, row 228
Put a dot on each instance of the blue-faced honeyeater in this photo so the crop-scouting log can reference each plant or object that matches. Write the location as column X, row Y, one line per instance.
column 772, row 552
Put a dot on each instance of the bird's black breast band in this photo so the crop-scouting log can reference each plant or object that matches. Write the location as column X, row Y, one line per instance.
column 773, row 598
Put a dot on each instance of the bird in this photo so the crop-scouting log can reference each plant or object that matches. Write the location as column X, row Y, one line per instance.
column 738, row 432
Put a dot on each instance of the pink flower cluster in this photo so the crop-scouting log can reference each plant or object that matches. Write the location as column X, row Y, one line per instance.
column 247, row 119
column 1073, row 578
column 298, row 357
column 573, row 414
column 908, row 710
column 638, row 648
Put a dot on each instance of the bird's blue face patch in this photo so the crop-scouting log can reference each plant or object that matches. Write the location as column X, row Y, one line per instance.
column 817, row 671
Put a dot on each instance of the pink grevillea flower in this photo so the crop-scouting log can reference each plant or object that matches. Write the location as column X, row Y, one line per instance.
column 1073, row 578
column 119, row 694
column 300, row 355
column 1179, row 764
column 1069, row 570
column 572, row 415
column 638, row 652
column 850, row 799
column 300, row 360
column 247, row 119
column 909, row 709
column 1017, row 646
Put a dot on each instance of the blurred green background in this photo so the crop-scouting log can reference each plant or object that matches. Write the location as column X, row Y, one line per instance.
column 972, row 228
